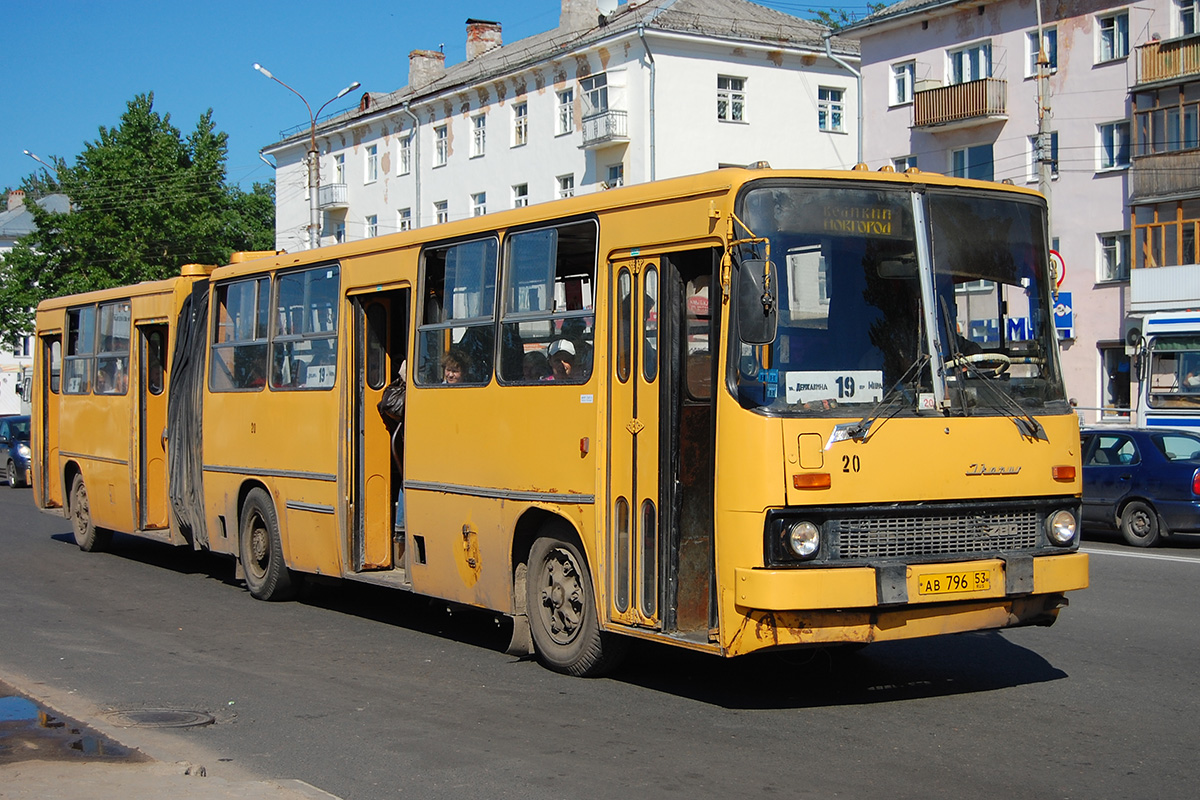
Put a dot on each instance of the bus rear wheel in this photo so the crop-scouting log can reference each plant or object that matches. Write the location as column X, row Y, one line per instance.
column 562, row 612
column 267, row 577
column 87, row 535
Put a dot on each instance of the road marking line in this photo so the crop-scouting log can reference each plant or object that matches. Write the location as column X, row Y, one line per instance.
column 1182, row 559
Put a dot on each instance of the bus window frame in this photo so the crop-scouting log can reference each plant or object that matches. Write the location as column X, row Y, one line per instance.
column 504, row 317
column 232, row 344
column 275, row 338
column 71, row 353
column 467, row 323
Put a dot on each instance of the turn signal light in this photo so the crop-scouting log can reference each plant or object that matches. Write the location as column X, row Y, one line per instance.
column 812, row 480
column 1063, row 474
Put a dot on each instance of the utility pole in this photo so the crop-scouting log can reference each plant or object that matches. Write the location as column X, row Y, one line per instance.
column 1045, row 153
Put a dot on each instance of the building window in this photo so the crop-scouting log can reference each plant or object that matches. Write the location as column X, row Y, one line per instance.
column 1114, row 257
column 478, row 135
column 829, row 109
column 903, row 79
column 616, row 175
column 595, row 94
column 1114, row 145
column 404, row 219
column 520, row 195
column 339, row 232
column 971, row 63
column 441, row 145
column 1115, row 394
column 731, row 99
column 372, row 227
column 405, row 155
column 479, row 204
column 1166, row 120
column 339, row 168
column 1166, row 234
column 904, row 162
column 441, row 211
column 1114, row 36
column 566, row 112
column 520, row 124
column 372, row 171
column 973, row 162
column 1187, row 16
column 1036, row 155
column 566, row 186
column 1049, row 43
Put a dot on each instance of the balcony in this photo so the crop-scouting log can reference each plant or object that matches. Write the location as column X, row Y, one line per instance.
column 1168, row 60
column 1164, row 175
column 605, row 128
column 961, row 105
column 332, row 196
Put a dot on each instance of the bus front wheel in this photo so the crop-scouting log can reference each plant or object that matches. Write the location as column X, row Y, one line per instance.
column 562, row 612
column 267, row 577
column 87, row 535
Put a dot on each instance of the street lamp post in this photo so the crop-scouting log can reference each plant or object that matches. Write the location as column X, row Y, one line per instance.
column 314, row 164
column 38, row 159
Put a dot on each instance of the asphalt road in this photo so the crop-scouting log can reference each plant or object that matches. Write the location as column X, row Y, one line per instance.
column 366, row 692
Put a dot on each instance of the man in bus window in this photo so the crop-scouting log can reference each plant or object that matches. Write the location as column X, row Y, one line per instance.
column 562, row 360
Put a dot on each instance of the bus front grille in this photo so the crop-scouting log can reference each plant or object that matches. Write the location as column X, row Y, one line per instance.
column 946, row 534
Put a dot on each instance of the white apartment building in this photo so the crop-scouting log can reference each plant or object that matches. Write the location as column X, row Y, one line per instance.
column 951, row 86
column 615, row 94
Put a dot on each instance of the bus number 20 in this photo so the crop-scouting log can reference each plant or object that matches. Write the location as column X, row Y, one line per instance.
column 850, row 464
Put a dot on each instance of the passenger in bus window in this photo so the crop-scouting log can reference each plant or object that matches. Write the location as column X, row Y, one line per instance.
column 536, row 367
column 562, row 360
column 454, row 366
column 576, row 333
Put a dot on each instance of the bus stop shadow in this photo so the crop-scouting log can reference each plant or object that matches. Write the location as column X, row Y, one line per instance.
column 879, row 673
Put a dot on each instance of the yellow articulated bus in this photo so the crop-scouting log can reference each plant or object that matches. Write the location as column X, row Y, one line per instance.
column 741, row 410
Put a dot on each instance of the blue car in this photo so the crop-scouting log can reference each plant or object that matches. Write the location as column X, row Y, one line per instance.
column 14, row 449
column 1146, row 483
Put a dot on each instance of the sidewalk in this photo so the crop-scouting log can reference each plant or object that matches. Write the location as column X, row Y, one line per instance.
column 71, row 750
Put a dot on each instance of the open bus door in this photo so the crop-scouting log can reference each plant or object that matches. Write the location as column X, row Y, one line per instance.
column 152, row 427
column 380, row 344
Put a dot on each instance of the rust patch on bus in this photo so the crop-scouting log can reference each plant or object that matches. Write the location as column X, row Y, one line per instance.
column 468, row 561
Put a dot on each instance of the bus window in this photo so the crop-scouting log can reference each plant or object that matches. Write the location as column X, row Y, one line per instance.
column 650, row 325
column 239, row 350
column 55, row 355
column 376, row 354
column 698, row 364
column 155, row 362
column 81, row 342
column 112, row 358
column 304, row 339
column 548, row 318
column 624, row 316
column 456, row 337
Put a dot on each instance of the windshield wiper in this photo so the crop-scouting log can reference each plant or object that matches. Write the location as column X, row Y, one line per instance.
column 858, row 431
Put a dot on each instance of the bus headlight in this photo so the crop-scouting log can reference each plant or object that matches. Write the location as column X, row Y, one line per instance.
column 804, row 540
column 1061, row 527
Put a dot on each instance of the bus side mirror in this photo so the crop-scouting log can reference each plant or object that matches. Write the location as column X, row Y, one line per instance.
column 758, row 312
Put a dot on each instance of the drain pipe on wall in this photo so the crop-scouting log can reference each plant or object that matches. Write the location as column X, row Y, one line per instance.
column 642, row 35
column 858, row 100
column 416, row 167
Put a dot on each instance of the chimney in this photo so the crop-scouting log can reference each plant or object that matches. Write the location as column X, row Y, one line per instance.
column 425, row 67
column 482, row 37
column 578, row 15
column 16, row 199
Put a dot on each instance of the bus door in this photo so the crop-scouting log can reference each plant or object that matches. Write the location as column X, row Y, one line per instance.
column 380, row 343
column 50, row 479
column 152, row 427
column 633, row 511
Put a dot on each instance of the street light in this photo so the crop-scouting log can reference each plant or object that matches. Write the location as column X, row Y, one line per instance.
column 38, row 159
column 314, row 164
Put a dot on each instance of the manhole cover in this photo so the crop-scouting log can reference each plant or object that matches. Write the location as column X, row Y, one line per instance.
column 160, row 718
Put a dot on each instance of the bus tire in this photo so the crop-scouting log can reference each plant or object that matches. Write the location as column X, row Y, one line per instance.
column 87, row 535
column 1139, row 524
column 561, row 607
column 261, row 551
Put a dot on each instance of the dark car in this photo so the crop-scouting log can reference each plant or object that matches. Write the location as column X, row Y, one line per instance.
column 14, row 449
column 1146, row 483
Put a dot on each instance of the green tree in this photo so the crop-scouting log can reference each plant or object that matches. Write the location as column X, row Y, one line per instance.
column 144, row 202
column 838, row 18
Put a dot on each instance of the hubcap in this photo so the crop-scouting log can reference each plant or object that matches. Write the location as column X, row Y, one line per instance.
column 562, row 597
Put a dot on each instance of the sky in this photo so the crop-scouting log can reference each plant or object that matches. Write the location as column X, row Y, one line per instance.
column 73, row 65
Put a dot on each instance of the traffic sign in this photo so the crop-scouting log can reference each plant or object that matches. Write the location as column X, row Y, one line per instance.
column 1059, row 266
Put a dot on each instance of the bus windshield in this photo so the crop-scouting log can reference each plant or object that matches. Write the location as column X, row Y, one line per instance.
column 949, row 316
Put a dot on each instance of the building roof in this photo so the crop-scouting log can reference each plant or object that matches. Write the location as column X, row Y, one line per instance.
column 737, row 20
column 18, row 222
column 907, row 8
